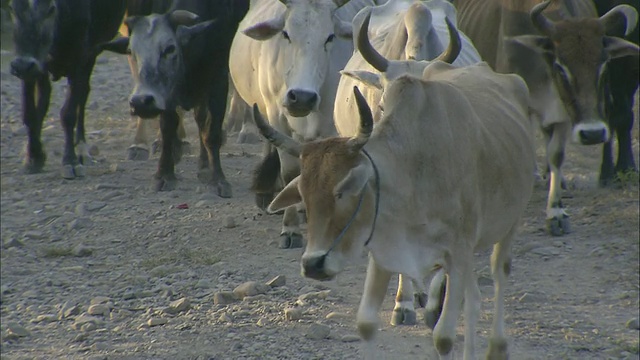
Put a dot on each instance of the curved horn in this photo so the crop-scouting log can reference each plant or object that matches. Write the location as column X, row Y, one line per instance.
column 183, row 17
column 544, row 25
column 453, row 50
column 370, row 54
column 276, row 138
column 612, row 20
column 366, row 122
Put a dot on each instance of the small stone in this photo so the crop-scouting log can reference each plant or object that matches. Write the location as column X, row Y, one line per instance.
column 224, row 298
column 116, row 167
column 79, row 223
column 336, row 316
column 67, row 310
column 46, row 318
column 100, row 300
column 81, row 250
column 155, row 321
column 96, row 205
column 350, row 338
column 16, row 330
column 111, row 195
column 229, row 222
column 161, row 271
column 30, row 294
column 263, row 322
column 13, row 242
column 249, row 288
column 226, row 318
column 314, row 295
column 34, row 235
column 203, row 204
column 633, row 324
column 82, row 320
column 99, row 309
column 203, row 284
column 277, row 281
column 293, row 314
column 99, row 346
column 546, row 251
column 94, row 150
column 88, row 327
column 527, row 298
column 178, row 306
column 317, row 331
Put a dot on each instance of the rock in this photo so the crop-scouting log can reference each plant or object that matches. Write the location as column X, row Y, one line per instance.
column 79, row 224
column 252, row 299
column 263, row 322
column 350, row 338
column 16, row 330
column 314, row 295
column 30, row 294
column 99, row 346
column 88, row 327
column 293, row 314
column 224, row 298
column 111, row 195
column 81, row 250
column 100, row 300
column 203, row 204
column 249, row 288
column 546, row 251
column 13, row 242
column 226, row 318
column 229, row 222
column 99, row 309
column 337, row 316
column 94, row 150
column 277, row 281
column 161, row 271
column 116, row 167
column 203, row 284
column 81, row 209
column 317, row 331
column 96, row 205
column 46, row 318
column 67, row 310
column 528, row 298
column 82, row 323
column 34, row 235
column 178, row 306
column 633, row 324
column 155, row 321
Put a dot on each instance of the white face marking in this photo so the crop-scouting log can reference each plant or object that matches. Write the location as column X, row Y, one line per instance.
column 595, row 125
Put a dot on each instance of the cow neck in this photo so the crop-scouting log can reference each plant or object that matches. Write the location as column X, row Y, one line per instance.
column 337, row 240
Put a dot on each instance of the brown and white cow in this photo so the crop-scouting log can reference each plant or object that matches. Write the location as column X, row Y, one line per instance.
column 445, row 172
column 561, row 49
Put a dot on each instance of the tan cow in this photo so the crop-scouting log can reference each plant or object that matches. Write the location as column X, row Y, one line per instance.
column 446, row 172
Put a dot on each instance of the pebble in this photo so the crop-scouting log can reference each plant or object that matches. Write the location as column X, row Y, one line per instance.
column 277, row 281
column 225, row 317
column 155, row 321
column 79, row 223
column 350, row 338
column 224, row 298
column 99, row 309
column 337, row 316
column 12, row 242
column 263, row 322
column 111, row 195
column 293, row 314
column 178, row 306
column 83, row 322
column 528, row 298
column 203, row 284
column 633, row 324
column 546, row 251
column 81, row 250
column 95, row 205
column 230, row 222
column 15, row 330
column 317, row 331
column 100, row 300
column 34, row 235
column 314, row 295
column 256, row 298
column 47, row 318
column 67, row 310
column 249, row 288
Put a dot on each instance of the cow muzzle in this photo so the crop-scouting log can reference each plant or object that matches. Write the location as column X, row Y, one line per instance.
column 591, row 134
column 144, row 105
column 300, row 103
column 26, row 68
column 315, row 267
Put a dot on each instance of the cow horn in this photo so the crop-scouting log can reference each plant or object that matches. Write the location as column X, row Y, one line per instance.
column 284, row 2
column 183, row 17
column 340, row 3
column 453, row 50
column 612, row 20
column 276, row 138
column 544, row 25
column 366, row 122
column 370, row 54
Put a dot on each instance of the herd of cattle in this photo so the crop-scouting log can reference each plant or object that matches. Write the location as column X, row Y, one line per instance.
column 434, row 103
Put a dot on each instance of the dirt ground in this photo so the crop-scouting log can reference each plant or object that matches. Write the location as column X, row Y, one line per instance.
column 90, row 267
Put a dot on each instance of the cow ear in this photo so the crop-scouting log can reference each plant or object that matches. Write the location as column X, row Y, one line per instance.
column 366, row 77
column 186, row 33
column 119, row 45
column 617, row 47
column 342, row 29
column 289, row 196
column 541, row 44
column 131, row 22
column 266, row 29
column 353, row 183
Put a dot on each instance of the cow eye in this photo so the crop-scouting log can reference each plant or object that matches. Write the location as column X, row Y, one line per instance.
column 286, row 35
column 169, row 50
column 330, row 39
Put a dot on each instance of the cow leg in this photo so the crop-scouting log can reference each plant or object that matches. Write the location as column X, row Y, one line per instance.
column 444, row 333
column 472, row 302
column 78, row 84
column 240, row 113
column 265, row 176
column 435, row 300
column 209, row 121
column 623, row 119
column 607, row 172
column 291, row 236
column 32, row 117
column 404, row 312
column 182, row 147
column 500, row 270
column 165, row 177
column 375, row 288
column 139, row 150
column 81, row 144
column 557, row 219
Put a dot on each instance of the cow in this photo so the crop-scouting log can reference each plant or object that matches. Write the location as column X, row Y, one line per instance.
column 182, row 61
column 286, row 57
column 623, row 76
column 59, row 38
column 562, row 50
column 447, row 171
column 402, row 30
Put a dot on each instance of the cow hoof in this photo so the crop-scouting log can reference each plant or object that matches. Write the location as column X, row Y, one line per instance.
column 80, row 171
column 402, row 316
column 165, row 183
column 186, row 148
column 70, row 172
column 248, row 138
column 420, row 299
column 33, row 166
column 263, row 200
column 431, row 318
column 498, row 349
column 290, row 241
column 223, row 189
column 559, row 226
column 137, row 153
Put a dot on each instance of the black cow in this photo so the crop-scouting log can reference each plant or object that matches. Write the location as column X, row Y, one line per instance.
column 60, row 38
column 623, row 83
column 182, row 60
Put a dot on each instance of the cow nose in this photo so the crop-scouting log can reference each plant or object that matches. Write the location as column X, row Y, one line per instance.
column 314, row 267
column 301, row 102
column 592, row 136
column 143, row 105
column 24, row 68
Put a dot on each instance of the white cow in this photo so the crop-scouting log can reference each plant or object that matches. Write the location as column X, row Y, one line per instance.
column 286, row 57
column 401, row 30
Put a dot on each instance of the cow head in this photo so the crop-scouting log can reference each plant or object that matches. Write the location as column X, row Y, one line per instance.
column 156, row 45
column 34, row 23
column 577, row 52
column 304, row 34
column 332, row 199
